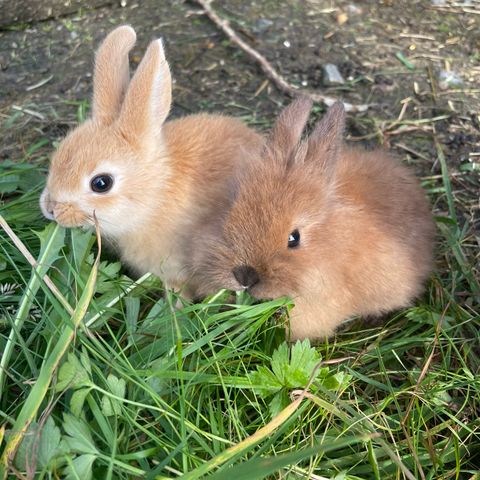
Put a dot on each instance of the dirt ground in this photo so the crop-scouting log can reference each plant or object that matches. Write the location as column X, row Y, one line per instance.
column 390, row 53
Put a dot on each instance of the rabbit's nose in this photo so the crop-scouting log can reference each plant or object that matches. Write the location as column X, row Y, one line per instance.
column 47, row 205
column 246, row 276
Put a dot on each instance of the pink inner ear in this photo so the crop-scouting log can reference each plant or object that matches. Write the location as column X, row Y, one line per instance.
column 287, row 131
column 148, row 98
column 300, row 153
column 327, row 136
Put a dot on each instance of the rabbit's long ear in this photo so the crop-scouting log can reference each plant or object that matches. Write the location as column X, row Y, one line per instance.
column 148, row 98
column 284, row 141
column 111, row 76
column 326, row 139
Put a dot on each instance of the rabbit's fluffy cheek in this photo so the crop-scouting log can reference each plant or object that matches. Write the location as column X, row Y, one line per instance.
column 113, row 218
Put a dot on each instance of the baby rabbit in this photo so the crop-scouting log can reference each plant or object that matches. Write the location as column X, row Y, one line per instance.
column 149, row 183
column 342, row 231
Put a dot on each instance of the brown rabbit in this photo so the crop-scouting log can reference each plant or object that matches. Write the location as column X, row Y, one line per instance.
column 342, row 231
column 150, row 184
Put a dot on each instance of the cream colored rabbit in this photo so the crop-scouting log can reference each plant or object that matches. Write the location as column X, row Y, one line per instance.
column 151, row 184
column 342, row 231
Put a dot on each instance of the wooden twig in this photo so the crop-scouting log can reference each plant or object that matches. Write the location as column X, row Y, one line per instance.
column 266, row 66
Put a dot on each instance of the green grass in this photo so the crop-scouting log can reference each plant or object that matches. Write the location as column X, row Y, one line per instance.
column 144, row 390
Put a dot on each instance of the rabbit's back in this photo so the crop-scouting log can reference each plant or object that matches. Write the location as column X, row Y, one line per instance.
column 392, row 196
column 387, row 231
column 207, row 149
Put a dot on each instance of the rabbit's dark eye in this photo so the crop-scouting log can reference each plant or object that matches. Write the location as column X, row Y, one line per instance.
column 101, row 183
column 294, row 239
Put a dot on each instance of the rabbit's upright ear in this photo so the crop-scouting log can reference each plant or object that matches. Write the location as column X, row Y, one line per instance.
column 148, row 98
column 111, row 76
column 326, row 139
column 284, row 141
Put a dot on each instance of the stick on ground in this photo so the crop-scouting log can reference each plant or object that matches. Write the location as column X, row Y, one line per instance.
column 266, row 66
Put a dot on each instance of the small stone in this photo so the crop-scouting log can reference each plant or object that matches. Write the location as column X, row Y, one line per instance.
column 332, row 75
column 262, row 25
column 449, row 79
column 287, row 44
column 354, row 9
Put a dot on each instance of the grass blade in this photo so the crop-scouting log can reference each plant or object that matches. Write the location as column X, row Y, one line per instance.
column 249, row 442
column 446, row 182
column 259, row 468
column 39, row 390
column 53, row 242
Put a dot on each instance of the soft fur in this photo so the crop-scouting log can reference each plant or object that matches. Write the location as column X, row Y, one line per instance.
column 168, row 177
column 365, row 225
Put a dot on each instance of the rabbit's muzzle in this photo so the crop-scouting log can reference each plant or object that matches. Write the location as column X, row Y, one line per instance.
column 246, row 276
column 64, row 213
